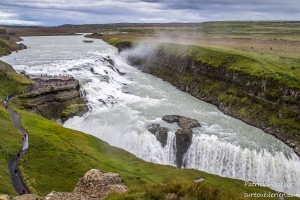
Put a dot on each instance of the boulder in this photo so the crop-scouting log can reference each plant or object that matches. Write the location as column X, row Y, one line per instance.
column 27, row 197
column 161, row 133
column 183, row 122
column 162, row 136
column 97, row 184
column 171, row 118
column 153, row 128
column 65, row 196
column 187, row 123
column 183, row 135
column 4, row 197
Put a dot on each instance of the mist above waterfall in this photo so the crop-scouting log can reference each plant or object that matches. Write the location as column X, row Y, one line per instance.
column 140, row 52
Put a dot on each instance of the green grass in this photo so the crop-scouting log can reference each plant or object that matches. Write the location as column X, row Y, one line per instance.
column 10, row 145
column 5, row 47
column 11, row 82
column 252, row 64
column 72, row 109
column 182, row 190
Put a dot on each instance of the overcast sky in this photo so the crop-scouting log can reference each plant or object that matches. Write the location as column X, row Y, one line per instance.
column 58, row 12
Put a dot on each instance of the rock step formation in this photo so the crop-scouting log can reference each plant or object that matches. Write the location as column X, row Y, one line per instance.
column 183, row 136
column 51, row 97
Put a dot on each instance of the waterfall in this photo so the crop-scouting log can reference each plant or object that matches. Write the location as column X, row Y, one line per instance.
column 208, row 153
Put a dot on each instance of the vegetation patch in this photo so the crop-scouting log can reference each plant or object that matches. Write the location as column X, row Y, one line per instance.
column 10, row 145
column 11, row 82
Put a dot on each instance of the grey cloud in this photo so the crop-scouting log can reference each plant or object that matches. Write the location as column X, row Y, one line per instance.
column 56, row 12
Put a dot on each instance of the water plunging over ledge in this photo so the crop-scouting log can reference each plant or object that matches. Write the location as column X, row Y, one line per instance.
column 123, row 106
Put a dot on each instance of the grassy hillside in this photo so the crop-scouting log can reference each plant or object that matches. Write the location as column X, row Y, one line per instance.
column 11, row 82
column 10, row 143
column 5, row 47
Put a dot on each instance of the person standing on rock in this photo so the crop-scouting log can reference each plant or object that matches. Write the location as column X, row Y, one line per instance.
column 16, row 172
column 23, row 191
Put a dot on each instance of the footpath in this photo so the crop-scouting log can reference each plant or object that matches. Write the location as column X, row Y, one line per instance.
column 40, row 83
column 18, row 182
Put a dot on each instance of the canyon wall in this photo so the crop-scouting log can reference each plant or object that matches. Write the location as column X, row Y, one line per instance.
column 260, row 101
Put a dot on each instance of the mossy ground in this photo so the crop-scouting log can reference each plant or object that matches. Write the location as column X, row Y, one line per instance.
column 10, row 145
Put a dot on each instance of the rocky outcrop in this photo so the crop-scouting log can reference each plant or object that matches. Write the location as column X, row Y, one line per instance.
column 161, row 133
column 98, row 184
column 56, row 99
column 95, row 184
column 183, row 122
column 183, row 136
column 27, row 197
column 4, row 197
column 11, row 39
column 183, row 142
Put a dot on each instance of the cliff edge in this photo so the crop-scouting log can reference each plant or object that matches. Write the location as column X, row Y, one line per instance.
column 55, row 98
column 239, row 85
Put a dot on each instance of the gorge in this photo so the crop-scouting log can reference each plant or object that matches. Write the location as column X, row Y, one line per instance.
column 121, row 108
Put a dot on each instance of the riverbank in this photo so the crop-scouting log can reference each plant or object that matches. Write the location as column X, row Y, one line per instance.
column 259, row 91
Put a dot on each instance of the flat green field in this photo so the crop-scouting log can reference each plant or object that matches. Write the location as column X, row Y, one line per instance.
column 273, row 45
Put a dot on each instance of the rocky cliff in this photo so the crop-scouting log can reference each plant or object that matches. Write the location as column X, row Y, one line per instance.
column 55, row 98
column 260, row 101
column 8, row 42
column 183, row 135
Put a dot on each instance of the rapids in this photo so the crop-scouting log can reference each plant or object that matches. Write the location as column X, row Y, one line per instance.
column 122, row 106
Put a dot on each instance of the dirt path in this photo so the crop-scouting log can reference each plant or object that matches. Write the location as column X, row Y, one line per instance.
column 40, row 83
column 13, row 164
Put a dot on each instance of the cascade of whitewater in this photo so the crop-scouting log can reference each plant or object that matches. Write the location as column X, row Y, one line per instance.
column 121, row 107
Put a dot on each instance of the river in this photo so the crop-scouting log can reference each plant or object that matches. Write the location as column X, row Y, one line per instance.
column 121, row 107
